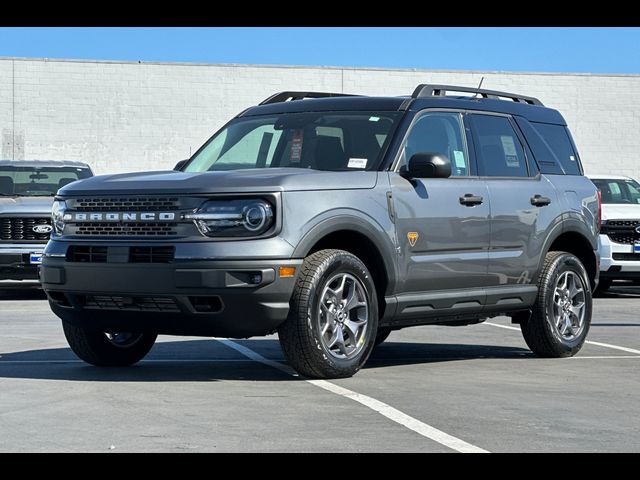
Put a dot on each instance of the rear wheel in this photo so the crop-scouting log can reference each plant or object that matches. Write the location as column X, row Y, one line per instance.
column 108, row 349
column 330, row 330
column 561, row 316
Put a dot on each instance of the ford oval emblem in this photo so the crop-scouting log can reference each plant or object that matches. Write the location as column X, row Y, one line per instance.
column 43, row 229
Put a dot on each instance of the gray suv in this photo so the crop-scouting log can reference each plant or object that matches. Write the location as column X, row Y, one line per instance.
column 333, row 220
column 27, row 189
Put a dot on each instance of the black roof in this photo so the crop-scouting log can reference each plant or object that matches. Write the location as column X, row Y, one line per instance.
column 487, row 100
column 43, row 163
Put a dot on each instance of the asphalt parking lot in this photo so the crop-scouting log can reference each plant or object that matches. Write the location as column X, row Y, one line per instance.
column 427, row 389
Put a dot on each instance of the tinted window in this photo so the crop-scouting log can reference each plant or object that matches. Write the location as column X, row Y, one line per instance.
column 439, row 132
column 37, row 181
column 619, row 191
column 557, row 138
column 545, row 158
column 498, row 148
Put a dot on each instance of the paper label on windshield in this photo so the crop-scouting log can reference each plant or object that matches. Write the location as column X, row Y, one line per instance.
column 357, row 163
column 296, row 146
column 458, row 159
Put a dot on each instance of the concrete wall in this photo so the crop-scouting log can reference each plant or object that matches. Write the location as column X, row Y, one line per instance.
column 124, row 116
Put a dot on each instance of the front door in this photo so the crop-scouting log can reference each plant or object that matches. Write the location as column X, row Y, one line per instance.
column 442, row 224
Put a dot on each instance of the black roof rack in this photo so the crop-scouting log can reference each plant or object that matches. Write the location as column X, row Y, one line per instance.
column 426, row 90
column 287, row 96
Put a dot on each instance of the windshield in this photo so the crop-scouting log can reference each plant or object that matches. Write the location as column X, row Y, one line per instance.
column 334, row 141
column 619, row 191
column 37, row 181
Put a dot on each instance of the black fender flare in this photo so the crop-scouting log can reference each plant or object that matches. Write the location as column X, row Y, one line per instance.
column 365, row 226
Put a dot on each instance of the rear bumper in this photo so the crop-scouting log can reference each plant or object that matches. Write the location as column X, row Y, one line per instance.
column 625, row 266
column 15, row 262
column 201, row 297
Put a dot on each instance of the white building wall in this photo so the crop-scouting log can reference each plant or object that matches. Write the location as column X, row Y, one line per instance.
column 129, row 116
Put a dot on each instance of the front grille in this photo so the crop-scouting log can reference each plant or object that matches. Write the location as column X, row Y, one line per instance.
column 151, row 254
column 127, row 204
column 88, row 254
column 138, row 304
column 21, row 229
column 127, row 229
column 630, row 257
column 622, row 231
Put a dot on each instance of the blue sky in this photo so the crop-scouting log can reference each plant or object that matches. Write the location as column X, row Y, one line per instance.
column 554, row 49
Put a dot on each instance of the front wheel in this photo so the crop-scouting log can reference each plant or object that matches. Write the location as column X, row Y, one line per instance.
column 108, row 349
column 561, row 316
column 333, row 316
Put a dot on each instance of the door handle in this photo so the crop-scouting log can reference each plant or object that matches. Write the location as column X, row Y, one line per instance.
column 470, row 200
column 540, row 201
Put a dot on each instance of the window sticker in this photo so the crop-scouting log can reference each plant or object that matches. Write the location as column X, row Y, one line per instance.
column 374, row 119
column 296, row 146
column 572, row 158
column 458, row 159
column 357, row 163
column 510, row 153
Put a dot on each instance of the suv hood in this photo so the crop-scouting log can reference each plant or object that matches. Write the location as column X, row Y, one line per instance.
column 620, row 211
column 236, row 181
column 37, row 205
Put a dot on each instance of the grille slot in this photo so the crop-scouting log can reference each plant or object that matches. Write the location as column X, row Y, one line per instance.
column 129, row 204
column 21, row 228
column 151, row 254
column 129, row 229
column 634, row 257
column 88, row 254
column 138, row 304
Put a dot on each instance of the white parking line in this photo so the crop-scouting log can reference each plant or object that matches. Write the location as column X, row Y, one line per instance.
column 599, row 344
column 382, row 408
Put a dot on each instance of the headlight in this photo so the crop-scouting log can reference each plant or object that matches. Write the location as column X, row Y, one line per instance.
column 233, row 218
column 57, row 216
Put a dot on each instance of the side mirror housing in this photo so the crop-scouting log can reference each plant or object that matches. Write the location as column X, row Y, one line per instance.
column 180, row 164
column 427, row 165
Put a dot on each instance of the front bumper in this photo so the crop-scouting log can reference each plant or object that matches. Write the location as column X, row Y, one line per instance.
column 625, row 267
column 229, row 298
column 15, row 261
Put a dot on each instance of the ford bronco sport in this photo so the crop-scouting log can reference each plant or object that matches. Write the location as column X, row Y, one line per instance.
column 334, row 219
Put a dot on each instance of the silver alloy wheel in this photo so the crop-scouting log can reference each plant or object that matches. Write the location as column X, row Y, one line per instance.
column 344, row 316
column 569, row 306
column 123, row 339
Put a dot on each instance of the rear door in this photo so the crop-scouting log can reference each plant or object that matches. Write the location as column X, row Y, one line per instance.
column 521, row 200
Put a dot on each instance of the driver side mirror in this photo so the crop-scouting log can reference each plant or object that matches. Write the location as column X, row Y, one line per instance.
column 427, row 165
column 180, row 164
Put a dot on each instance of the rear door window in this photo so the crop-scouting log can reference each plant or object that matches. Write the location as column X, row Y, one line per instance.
column 498, row 148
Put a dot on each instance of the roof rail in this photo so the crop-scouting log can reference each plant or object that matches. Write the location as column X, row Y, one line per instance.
column 426, row 90
column 286, row 96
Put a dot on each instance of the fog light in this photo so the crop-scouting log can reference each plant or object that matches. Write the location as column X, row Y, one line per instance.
column 287, row 272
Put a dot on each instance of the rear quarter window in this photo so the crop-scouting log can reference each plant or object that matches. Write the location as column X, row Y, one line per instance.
column 557, row 138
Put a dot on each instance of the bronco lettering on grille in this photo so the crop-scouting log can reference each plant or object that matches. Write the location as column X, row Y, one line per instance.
column 121, row 217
